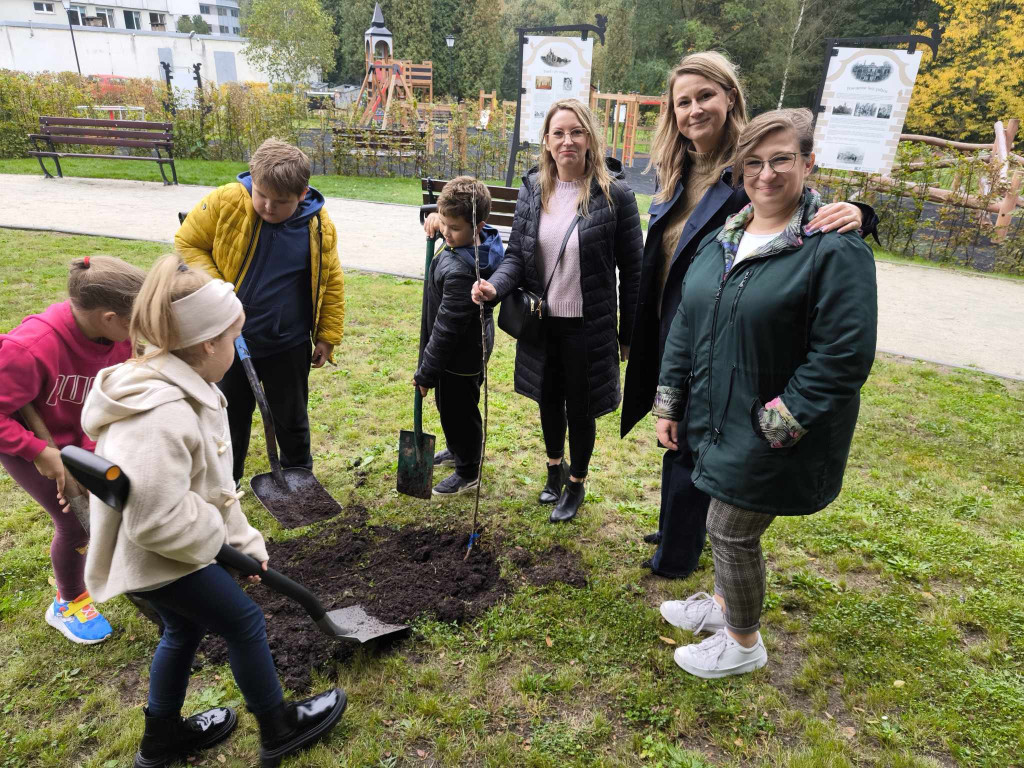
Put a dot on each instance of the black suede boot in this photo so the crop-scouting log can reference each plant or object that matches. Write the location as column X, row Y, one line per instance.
column 557, row 475
column 569, row 503
column 292, row 727
column 167, row 739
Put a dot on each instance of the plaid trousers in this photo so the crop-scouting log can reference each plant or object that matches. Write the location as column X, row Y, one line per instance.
column 739, row 565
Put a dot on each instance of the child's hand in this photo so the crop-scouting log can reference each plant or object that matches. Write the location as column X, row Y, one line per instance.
column 256, row 579
column 432, row 224
column 49, row 465
column 321, row 354
column 483, row 291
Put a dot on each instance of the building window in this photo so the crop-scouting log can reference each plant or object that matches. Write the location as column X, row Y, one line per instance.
column 77, row 15
column 222, row 11
column 234, row 12
column 204, row 9
column 236, row 30
column 132, row 20
column 224, row 30
column 43, row 7
column 158, row 22
column 106, row 17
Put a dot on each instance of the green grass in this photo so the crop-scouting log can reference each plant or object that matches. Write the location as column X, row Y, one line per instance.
column 894, row 619
column 212, row 173
column 883, row 255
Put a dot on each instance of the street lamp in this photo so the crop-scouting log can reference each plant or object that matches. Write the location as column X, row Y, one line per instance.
column 67, row 10
column 449, row 40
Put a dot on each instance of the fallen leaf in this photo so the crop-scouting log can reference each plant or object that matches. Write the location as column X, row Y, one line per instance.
column 666, row 640
column 927, row 595
column 548, row 641
column 221, row 759
column 898, row 683
column 738, row 742
column 848, row 732
column 829, row 716
column 421, row 753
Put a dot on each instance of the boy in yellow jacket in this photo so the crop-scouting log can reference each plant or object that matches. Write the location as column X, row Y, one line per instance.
column 269, row 235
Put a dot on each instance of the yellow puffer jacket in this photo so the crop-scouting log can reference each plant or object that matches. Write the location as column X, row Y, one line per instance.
column 220, row 234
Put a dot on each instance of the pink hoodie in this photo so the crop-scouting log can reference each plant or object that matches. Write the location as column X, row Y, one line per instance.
column 49, row 362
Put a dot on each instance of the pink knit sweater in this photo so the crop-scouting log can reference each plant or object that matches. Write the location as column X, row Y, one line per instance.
column 565, row 296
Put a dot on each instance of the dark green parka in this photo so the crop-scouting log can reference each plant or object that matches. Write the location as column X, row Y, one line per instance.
column 796, row 320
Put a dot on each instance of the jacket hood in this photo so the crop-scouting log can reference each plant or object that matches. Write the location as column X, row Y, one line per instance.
column 307, row 209
column 491, row 251
column 128, row 389
column 613, row 165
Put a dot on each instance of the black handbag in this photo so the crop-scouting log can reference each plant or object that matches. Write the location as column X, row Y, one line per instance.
column 522, row 311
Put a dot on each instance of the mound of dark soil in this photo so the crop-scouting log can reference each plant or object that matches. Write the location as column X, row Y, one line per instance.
column 396, row 575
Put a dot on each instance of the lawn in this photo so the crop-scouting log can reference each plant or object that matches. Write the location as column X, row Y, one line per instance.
column 894, row 618
column 212, row 173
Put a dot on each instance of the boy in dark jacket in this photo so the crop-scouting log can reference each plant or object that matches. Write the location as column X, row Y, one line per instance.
column 452, row 363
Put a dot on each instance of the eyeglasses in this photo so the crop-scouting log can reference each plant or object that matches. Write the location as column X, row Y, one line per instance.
column 780, row 164
column 576, row 134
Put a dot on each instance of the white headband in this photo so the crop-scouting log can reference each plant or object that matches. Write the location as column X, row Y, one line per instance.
column 206, row 314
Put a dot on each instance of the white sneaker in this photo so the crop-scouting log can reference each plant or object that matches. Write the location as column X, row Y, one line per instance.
column 697, row 613
column 721, row 656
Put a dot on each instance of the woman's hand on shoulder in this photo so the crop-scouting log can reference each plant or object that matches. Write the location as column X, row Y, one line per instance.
column 482, row 292
column 668, row 433
column 846, row 217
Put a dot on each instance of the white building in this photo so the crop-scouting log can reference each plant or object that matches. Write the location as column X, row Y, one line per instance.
column 134, row 15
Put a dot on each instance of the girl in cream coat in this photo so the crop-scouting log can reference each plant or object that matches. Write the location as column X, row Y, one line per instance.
column 161, row 418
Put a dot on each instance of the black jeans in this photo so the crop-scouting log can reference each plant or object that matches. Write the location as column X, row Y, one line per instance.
column 285, row 378
column 565, row 394
column 684, row 513
column 458, row 399
column 210, row 600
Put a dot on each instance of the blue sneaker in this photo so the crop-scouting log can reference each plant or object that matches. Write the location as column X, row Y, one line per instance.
column 78, row 620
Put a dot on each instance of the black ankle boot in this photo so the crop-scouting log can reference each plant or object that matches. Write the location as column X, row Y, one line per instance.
column 167, row 739
column 557, row 475
column 653, row 538
column 290, row 728
column 569, row 503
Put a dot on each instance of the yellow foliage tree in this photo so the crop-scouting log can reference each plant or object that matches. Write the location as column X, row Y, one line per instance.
column 978, row 76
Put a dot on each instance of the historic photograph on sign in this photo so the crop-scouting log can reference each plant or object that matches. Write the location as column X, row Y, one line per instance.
column 863, row 104
column 553, row 68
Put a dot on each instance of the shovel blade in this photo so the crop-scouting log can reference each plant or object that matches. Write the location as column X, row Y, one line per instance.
column 303, row 501
column 415, row 464
column 362, row 626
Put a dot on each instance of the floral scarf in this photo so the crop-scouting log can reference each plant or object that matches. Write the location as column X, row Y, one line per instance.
column 790, row 237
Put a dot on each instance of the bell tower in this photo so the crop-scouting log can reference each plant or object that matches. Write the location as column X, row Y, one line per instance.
column 379, row 42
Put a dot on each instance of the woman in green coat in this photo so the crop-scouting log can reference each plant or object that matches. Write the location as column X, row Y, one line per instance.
column 763, row 367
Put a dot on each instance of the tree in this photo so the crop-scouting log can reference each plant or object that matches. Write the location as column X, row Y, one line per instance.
column 977, row 78
column 195, row 24
column 289, row 39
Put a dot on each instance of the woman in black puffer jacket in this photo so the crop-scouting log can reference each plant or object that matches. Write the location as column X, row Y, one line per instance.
column 573, row 373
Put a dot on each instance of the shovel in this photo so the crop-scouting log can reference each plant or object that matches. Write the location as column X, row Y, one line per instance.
column 352, row 624
column 280, row 488
column 416, row 449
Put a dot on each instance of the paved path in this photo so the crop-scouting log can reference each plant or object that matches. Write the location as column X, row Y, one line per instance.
column 933, row 314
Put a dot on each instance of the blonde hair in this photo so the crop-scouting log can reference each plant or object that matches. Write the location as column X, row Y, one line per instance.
column 103, row 282
column 799, row 121
column 277, row 166
column 457, row 199
column 594, row 168
column 669, row 148
column 153, row 320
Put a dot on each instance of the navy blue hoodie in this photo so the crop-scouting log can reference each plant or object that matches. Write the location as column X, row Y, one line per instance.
column 276, row 291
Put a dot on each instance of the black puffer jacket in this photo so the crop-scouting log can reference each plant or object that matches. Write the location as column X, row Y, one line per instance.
column 610, row 236
column 451, row 322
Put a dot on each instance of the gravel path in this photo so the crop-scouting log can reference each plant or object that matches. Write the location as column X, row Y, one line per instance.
column 934, row 314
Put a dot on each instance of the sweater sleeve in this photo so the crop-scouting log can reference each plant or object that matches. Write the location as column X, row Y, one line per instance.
column 629, row 254
column 453, row 315
column 21, row 379
column 509, row 275
column 842, row 328
column 162, row 514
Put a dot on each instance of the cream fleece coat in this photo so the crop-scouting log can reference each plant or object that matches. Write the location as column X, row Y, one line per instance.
column 167, row 429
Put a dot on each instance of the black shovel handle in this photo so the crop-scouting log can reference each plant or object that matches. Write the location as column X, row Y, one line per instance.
column 261, row 399
column 277, row 581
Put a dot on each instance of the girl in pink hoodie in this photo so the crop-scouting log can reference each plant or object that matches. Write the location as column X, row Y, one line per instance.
column 49, row 362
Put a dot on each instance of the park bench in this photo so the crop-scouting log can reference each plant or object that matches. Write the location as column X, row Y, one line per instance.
column 132, row 134
column 381, row 143
column 503, row 203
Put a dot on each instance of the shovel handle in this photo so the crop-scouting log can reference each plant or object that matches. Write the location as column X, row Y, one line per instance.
column 261, row 399
column 36, row 425
column 277, row 581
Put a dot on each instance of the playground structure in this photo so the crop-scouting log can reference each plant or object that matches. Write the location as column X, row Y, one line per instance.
column 623, row 109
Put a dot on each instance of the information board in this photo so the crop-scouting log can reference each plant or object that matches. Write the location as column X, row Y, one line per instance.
column 554, row 68
column 865, row 99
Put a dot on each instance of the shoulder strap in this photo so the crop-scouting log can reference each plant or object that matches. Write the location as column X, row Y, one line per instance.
column 561, row 253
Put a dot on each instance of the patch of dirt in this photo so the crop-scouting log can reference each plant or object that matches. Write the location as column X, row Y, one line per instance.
column 396, row 575
column 317, row 504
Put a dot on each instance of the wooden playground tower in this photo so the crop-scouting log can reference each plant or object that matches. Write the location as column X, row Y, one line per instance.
column 387, row 78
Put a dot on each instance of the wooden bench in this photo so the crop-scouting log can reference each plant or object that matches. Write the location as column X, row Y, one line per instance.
column 371, row 141
column 134, row 134
column 503, row 202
